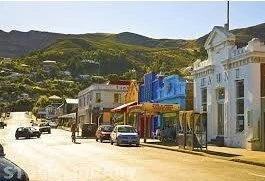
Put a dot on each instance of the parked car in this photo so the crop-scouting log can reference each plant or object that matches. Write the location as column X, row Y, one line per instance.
column 9, row 170
column 2, row 124
column 103, row 132
column 53, row 124
column 124, row 134
column 27, row 132
column 45, row 127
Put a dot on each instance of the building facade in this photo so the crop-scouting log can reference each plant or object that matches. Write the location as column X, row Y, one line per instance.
column 229, row 85
column 165, row 90
column 96, row 101
column 172, row 91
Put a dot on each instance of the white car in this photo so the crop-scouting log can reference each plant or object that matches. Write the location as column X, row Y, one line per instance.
column 53, row 124
column 124, row 134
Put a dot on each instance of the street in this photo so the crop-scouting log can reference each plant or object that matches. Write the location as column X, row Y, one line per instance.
column 54, row 157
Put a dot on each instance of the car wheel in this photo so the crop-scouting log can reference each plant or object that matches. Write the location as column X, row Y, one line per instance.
column 49, row 132
column 137, row 144
column 38, row 136
column 111, row 142
column 17, row 137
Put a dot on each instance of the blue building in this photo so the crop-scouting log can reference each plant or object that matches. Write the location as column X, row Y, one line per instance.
column 160, row 89
column 173, row 91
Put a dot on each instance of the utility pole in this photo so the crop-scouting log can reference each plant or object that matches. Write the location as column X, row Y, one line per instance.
column 227, row 15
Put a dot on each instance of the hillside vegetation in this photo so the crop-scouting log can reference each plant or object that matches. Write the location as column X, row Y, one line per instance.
column 118, row 55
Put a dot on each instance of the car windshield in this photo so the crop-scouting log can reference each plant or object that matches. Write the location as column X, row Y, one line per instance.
column 126, row 129
column 107, row 128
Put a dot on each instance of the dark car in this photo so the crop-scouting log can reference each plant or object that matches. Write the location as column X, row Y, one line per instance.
column 2, row 124
column 103, row 132
column 45, row 127
column 27, row 132
column 9, row 170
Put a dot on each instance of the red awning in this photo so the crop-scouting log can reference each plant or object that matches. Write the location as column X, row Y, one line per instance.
column 118, row 109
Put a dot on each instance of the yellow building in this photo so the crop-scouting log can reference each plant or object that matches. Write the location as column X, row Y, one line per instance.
column 131, row 98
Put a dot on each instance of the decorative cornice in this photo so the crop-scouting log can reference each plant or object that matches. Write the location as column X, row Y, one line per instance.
column 204, row 71
column 242, row 60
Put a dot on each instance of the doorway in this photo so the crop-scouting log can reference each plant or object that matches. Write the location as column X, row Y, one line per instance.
column 220, row 119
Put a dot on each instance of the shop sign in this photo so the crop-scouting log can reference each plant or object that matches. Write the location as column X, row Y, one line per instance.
column 161, row 107
column 151, row 107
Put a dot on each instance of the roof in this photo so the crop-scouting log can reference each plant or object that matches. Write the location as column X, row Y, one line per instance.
column 119, row 108
column 71, row 101
column 124, row 125
column 72, row 115
column 119, row 82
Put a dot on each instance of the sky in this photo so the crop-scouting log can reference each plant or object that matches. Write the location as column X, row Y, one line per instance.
column 172, row 19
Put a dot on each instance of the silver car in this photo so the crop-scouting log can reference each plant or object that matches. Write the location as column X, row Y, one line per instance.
column 124, row 134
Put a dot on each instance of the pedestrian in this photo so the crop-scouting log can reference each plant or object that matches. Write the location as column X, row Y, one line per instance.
column 73, row 129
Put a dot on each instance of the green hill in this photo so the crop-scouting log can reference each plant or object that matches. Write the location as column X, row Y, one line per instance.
column 118, row 55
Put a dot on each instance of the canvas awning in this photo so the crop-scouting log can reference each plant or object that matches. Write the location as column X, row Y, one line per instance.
column 154, row 107
column 118, row 109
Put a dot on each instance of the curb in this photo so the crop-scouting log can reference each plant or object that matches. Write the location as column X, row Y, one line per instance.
column 248, row 162
column 205, row 154
column 172, row 149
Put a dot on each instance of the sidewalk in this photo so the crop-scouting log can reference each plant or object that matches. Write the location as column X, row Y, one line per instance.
column 225, row 153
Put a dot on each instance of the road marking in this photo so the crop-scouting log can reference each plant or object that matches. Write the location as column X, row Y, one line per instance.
column 257, row 175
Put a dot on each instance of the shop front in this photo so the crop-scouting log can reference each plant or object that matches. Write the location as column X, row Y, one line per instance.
column 149, row 112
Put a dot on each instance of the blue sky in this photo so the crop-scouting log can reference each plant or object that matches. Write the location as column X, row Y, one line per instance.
column 187, row 20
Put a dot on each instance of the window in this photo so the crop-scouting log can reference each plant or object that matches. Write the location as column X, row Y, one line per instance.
column 220, row 93
column 218, row 77
column 80, row 102
column 87, row 99
column 204, row 99
column 237, row 73
column 84, row 100
column 202, row 81
column 98, row 97
column 117, row 98
column 240, row 106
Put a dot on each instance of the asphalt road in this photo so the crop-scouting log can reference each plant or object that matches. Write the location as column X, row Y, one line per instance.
column 53, row 157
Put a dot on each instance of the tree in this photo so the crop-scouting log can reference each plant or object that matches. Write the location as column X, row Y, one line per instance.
column 113, row 77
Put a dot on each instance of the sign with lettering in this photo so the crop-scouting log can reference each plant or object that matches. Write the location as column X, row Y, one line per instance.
column 154, row 107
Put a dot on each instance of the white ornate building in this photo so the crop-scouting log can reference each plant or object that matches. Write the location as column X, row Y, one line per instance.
column 230, row 86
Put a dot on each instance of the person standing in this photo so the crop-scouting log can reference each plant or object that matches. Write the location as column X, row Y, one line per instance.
column 73, row 129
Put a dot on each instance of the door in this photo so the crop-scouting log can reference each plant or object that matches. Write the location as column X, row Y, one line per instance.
column 220, row 114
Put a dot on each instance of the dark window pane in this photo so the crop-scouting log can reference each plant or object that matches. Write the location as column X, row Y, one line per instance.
column 240, row 88
column 240, row 106
column 240, row 124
